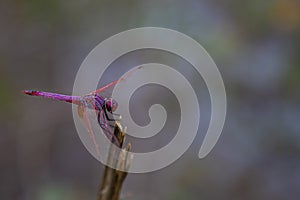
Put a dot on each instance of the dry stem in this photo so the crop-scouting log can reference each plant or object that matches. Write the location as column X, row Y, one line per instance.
column 113, row 179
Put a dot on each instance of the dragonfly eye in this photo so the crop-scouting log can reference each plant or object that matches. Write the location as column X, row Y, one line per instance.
column 111, row 105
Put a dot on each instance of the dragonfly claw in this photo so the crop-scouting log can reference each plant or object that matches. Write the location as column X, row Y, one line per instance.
column 119, row 117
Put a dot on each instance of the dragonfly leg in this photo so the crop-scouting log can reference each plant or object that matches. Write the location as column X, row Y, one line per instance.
column 107, row 127
column 106, row 115
column 101, row 120
column 118, row 115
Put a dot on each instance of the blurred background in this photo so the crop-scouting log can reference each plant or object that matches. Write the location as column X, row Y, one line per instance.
column 254, row 43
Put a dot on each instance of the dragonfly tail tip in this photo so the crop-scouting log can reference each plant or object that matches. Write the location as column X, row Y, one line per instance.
column 29, row 92
column 25, row 91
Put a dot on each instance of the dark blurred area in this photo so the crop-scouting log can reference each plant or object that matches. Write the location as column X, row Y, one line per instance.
column 254, row 43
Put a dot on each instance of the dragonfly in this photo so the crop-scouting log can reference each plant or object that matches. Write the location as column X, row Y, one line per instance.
column 103, row 107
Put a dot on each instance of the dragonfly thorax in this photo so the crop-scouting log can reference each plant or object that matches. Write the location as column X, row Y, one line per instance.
column 97, row 102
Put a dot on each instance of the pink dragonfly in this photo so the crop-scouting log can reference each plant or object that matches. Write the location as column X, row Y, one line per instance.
column 102, row 106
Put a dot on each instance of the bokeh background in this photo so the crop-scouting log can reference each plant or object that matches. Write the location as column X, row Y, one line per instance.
column 254, row 43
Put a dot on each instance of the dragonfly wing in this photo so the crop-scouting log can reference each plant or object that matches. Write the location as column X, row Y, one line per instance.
column 104, row 88
column 116, row 81
column 83, row 115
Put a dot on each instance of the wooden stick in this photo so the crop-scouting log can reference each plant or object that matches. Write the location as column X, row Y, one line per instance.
column 113, row 179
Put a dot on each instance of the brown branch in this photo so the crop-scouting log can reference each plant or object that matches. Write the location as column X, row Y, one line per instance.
column 113, row 179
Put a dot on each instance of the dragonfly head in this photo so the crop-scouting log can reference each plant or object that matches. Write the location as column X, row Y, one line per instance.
column 111, row 105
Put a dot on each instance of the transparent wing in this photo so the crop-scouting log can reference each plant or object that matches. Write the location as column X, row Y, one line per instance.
column 110, row 85
column 82, row 112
